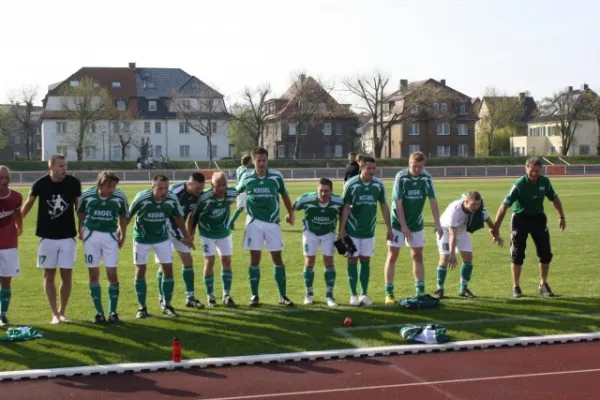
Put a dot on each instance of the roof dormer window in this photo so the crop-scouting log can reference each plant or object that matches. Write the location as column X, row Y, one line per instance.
column 116, row 84
column 74, row 83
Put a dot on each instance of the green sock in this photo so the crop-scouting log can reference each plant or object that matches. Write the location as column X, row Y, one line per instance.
column 226, row 277
column 209, row 282
column 4, row 300
column 113, row 297
column 465, row 275
column 419, row 287
column 235, row 216
column 168, row 284
column 279, row 272
column 329, row 280
column 140, row 292
column 389, row 289
column 96, row 294
column 159, row 278
column 441, row 276
column 187, row 272
column 365, row 272
column 352, row 277
column 309, row 277
column 254, row 277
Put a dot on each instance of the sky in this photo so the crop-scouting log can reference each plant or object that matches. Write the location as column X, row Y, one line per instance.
column 513, row 45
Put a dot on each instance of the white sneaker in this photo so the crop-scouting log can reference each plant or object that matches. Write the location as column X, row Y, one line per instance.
column 354, row 301
column 365, row 300
column 308, row 300
column 330, row 302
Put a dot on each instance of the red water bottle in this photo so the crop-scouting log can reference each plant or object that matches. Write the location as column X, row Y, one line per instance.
column 176, row 350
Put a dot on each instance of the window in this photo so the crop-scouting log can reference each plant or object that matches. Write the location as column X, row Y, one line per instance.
column 303, row 128
column 125, row 127
column 462, row 109
column 281, row 151
column 213, row 128
column 61, row 150
column 96, row 85
column 157, row 151
column 327, row 151
column 152, row 105
column 463, row 150
column 412, row 148
column 338, row 150
column 61, row 127
column 116, row 127
column 17, row 139
column 90, row 152
column 147, row 127
column 74, row 83
column 414, row 109
column 116, row 84
column 186, row 104
column 292, row 129
column 552, row 150
column 214, row 151
column 38, row 146
column 158, row 127
column 516, row 151
column 92, row 128
column 184, row 151
column 413, row 129
column 443, row 150
column 436, row 108
column 444, row 107
column 184, row 127
column 463, row 129
column 116, row 153
column 121, row 105
column 385, row 108
column 584, row 150
column 327, row 129
column 443, row 129
column 17, row 154
column 338, row 129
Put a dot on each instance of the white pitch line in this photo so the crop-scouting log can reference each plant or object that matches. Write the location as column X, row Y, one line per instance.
column 404, row 385
column 417, row 378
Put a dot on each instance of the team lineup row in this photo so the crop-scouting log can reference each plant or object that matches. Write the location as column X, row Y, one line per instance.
column 167, row 218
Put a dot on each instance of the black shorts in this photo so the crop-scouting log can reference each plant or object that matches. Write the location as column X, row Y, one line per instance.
column 522, row 226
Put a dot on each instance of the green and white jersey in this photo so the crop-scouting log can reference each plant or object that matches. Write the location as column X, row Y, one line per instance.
column 319, row 219
column 212, row 214
column 527, row 198
column 151, row 216
column 412, row 191
column 187, row 200
column 363, row 198
column 102, row 214
column 263, row 195
column 240, row 172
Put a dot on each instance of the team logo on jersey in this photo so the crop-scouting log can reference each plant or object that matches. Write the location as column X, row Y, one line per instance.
column 5, row 214
column 57, row 206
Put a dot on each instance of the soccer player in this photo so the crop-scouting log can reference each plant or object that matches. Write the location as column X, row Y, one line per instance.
column 411, row 187
column 211, row 215
column 59, row 195
column 358, row 220
column 11, row 227
column 187, row 193
column 241, row 200
column 321, row 212
column 461, row 218
column 527, row 200
column 264, row 186
column 152, row 209
column 103, row 213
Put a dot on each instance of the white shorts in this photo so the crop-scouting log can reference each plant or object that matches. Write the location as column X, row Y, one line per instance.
column 162, row 252
column 57, row 253
column 418, row 239
column 224, row 246
column 463, row 242
column 364, row 247
column 178, row 246
column 260, row 232
column 100, row 246
column 312, row 243
column 241, row 200
column 10, row 266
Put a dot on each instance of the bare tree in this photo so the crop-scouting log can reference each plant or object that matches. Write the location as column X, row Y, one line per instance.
column 142, row 143
column 5, row 121
column 592, row 101
column 125, row 132
column 22, row 109
column 200, row 108
column 251, row 114
column 83, row 105
column 567, row 108
column 500, row 111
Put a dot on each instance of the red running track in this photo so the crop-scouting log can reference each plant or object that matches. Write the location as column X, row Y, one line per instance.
column 565, row 371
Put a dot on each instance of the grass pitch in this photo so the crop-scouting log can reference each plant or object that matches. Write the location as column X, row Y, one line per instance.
column 272, row 329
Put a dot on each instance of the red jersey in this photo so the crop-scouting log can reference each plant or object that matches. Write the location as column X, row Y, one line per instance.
column 8, row 230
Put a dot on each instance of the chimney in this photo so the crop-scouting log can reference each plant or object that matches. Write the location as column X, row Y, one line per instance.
column 584, row 87
column 569, row 89
column 302, row 78
column 521, row 95
column 403, row 84
column 132, row 66
column 443, row 82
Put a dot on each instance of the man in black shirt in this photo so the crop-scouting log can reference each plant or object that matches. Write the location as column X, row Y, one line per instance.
column 59, row 195
column 352, row 168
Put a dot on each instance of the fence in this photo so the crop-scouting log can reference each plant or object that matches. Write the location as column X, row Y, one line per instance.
column 332, row 173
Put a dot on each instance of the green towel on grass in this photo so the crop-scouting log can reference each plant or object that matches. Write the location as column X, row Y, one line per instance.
column 429, row 334
column 20, row 334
